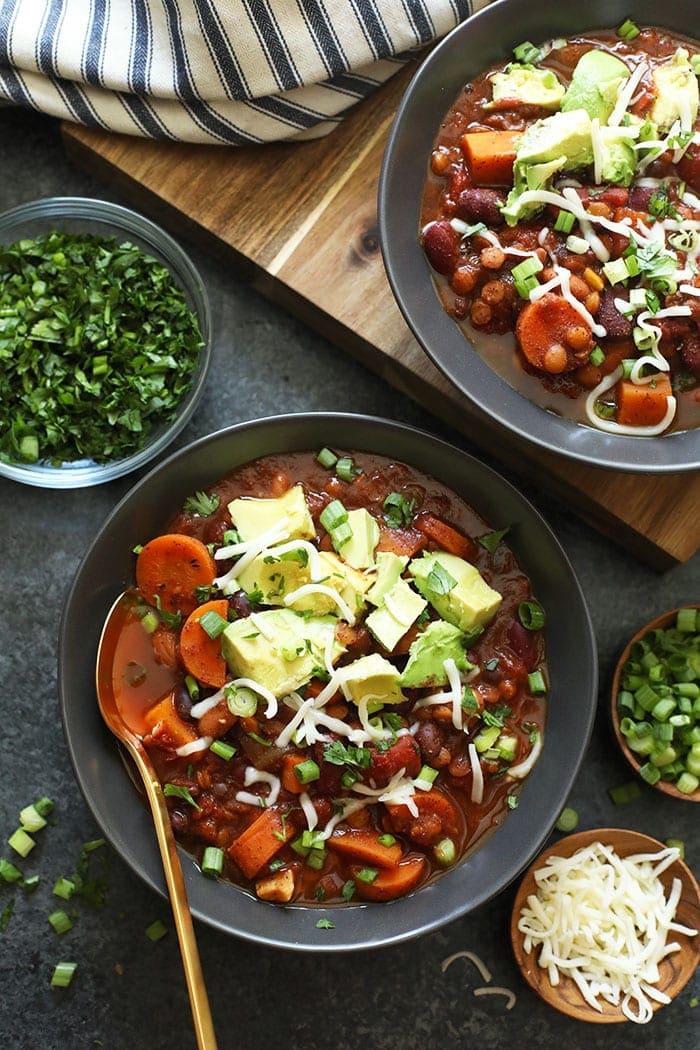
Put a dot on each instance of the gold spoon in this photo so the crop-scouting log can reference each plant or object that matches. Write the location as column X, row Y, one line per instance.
column 199, row 1002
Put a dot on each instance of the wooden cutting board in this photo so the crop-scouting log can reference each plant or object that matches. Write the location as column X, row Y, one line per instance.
column 300, row 222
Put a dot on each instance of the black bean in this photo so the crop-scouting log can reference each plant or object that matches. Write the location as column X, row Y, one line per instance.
column 240, row 604
column 616, row 326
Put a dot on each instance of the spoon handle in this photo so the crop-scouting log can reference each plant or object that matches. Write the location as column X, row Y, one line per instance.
column 199, row 1001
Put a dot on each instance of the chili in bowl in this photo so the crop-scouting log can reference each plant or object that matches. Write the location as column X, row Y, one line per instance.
column 559, row 221
column 291, row 720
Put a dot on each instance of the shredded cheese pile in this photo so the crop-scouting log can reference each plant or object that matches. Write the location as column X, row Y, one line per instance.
column 603, row 920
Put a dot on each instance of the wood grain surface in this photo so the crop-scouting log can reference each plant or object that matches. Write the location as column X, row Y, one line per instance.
column 299, row 221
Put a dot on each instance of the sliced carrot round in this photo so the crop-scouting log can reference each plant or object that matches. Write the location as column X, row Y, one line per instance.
column 200, row 653
column 391, row 883
column 543, row 331
column 430, row 804
column 170, row 567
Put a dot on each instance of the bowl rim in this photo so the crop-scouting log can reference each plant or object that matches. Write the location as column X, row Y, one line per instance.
column 94, row 755
column 188, row 279
column 401, row 181
column 663, row 620
column 637, row 842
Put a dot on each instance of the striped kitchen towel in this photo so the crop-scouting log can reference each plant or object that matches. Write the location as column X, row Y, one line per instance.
column 223, row 72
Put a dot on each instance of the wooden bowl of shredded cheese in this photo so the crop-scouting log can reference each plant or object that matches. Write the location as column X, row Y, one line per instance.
column 605, row 926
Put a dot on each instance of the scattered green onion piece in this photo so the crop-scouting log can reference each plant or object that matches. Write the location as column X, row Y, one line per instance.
column 8, row 872
column 445, row 852
column 527, row 53
column 327, row 458
column 31, row 820
column 565, row 222
column 63, row 974
column 524, row 287
column 315, row 859
column 192, row 686
column 93, row 844
column 348, row 890
column 21, row 842
column 678, row 844
column 527, row 268
column 531, row 615
column 241, row 701
column 222, row 749
column 686, row 621
column 29, row 448
column 150, row 621
column 628, row 30
column 30, row 883
column 386, row 840
column 156, row 931
column 60, row 921
column 687, row 783
column 367, row 875
column 64, row 888
column 577, row 245
column 212, row 861
column 341, row 534
column 43, row 806
column 213, row 624
column 536, row 682
column 307, row 771
column 346, row 470
column 624, row 793
column 597, row 356
column 616, row 271
column 333, row 515
column 568, row 819
column 349, row 777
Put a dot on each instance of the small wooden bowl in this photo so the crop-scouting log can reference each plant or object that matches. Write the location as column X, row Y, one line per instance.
column 676, row 969
column 663, row 621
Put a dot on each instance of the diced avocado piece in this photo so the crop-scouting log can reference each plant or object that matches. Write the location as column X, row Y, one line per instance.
column 274, row 576
column 618, row 157
column 534, row 87
column 372, row 679
column 439, row 641
column 358, row 551
column 389, row 569
column 348, row 582
column 252, row 516
column 676, row 93
column 562, row 141
column 399, row 611
column 455, row 589
column 594, row 85
column 279, row 648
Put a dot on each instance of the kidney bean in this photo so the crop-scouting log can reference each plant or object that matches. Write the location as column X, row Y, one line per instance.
column 524, row 643
column 617, row 326
column 688, row 167
column 480, row 205
column 690, row 352
column 429, row 739
column 640, row 197
column 404, row 754
column 240, row 604
column 441, row 245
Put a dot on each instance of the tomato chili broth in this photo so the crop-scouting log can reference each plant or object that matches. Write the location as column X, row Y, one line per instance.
column 478, row 291
column 215, row 782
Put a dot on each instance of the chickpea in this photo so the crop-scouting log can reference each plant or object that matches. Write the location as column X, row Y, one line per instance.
column 599, row 208
column 507, row 688
column 442, row 759
column 480, row 313
column 547, row 274
column 460, row 765
column 555, row 359
column 579, row 338
column 579, row 287
column 492, row 258
column 592, row 302
column 439, row 162
column 464, row 280
column 493, row 292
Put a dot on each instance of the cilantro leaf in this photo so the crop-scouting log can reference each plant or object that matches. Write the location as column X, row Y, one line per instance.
column 201, row 504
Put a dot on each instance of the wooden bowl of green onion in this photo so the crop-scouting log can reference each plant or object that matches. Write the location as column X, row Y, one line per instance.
column 655, row 703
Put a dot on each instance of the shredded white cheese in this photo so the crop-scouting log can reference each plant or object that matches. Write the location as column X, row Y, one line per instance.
column 603, row 921
column 495, row 990
column 191, row 748
column 473, row 958
column 477, row 795
column 320, row 588
column 524, row 767
column 259, row 776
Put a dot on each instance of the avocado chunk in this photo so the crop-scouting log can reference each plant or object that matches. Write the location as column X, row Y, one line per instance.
column 275, row 577
column 595, row 84
column 372, row 679
column 399, row 611
column 526, row 84
column 456, row 590
column 389, row 569
column 439, row 641
column 253, row 516
column 562, row 141
column 358, row 551
column 676, row 93
column 618, row 159
column 279, row 648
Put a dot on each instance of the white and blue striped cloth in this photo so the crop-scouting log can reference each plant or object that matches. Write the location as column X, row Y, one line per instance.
column 226, row 72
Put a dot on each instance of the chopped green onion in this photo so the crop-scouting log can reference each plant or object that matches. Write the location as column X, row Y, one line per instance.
column 327, row 458
column 31, row 819
column 568, row 819
column 156, row 931
column 21, row 842
column 678, row 844
column 398, row 510
column 333, row 515
column 60, row 921
column 346, row 470
column 93, row 844
column 43, row 806
column 367, row 875
column 192, row 687
column 445, row 852
column 213, row 624
column 536, row 682
column 686, row 621
column 30, row 884
column 8, row 872
column 348, row 890
column 212, row 861
column 687, row 783
column 624, row 793
column 223, row 750
column 307, row 771
column 63, row 974
column 527, row 53
column 565, row 222
column 524, row 286
column 596, row 356
column 176, row 791
column 616, row 271
column 341, row 534
column 64, row 888
column 240, row 701
column 628, row 30
column 531, row 615
column 527, row 268
column 577, row 245
column 149, row 621
column 386, row 840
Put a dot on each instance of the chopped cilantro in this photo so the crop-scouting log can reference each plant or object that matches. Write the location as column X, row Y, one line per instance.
column 339, row 754
column 201, row 504
column 325, row 924
column 439, row 580
column 491, row 540
column 177, row 791
column 398, row 510
column 348, row 890
column 512, row 801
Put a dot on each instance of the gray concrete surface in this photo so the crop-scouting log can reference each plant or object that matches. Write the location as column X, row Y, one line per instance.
column 129, row 993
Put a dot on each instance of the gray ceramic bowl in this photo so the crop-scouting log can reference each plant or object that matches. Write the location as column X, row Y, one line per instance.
column 107, row 569
column 475, row 44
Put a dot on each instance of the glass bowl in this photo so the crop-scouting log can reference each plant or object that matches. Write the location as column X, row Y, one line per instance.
column 104, row 219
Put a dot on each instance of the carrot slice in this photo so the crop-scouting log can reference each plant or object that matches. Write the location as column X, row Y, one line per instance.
column 170, row 567
column 201, row 654
column 391, row 883
column 165, row 727
column 431, row 804
column 289, row 780
column 164, row 643
column 365, row 846
column 447, row 537
column 401, row 541
column 640, row 404
column 260, row 841
column 542, row 329
column 490, row 156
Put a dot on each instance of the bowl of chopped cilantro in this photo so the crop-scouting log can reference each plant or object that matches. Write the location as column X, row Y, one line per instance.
column 104, row 341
